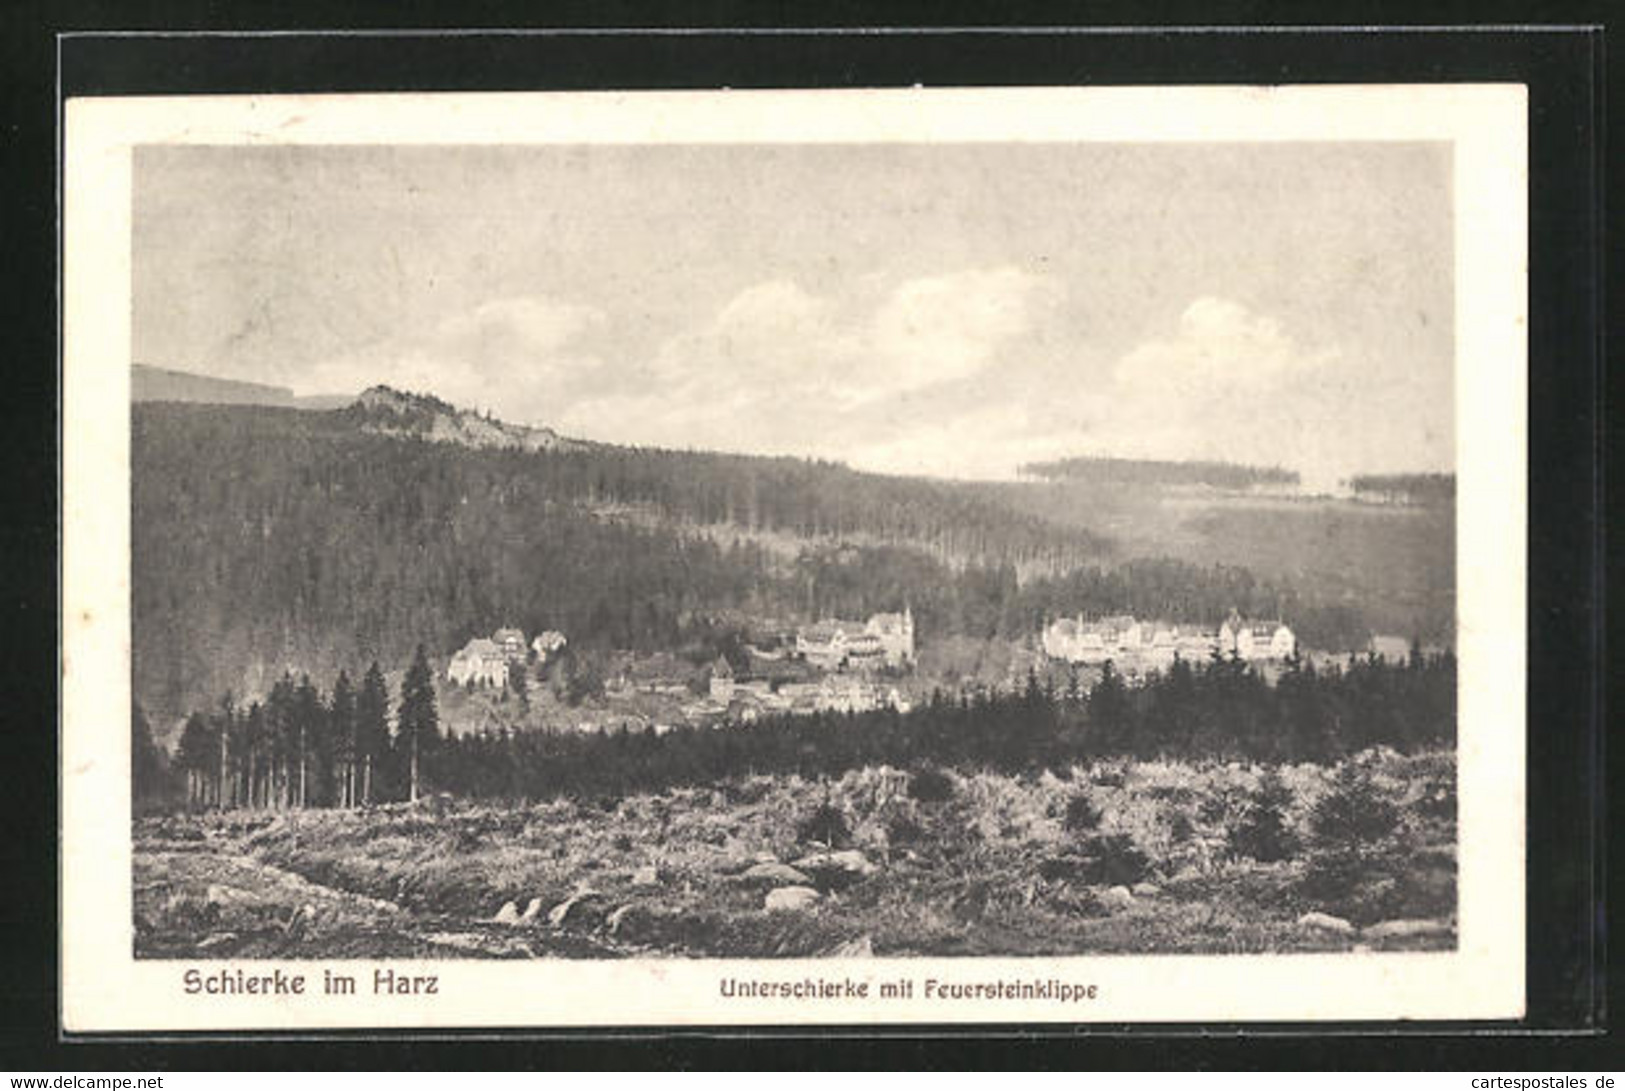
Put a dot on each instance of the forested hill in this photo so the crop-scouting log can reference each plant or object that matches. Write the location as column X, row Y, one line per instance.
column 264, row 538
column 269, row 539
column 1151, row 472
column 1419, row 488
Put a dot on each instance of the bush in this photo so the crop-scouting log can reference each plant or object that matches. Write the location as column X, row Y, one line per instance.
column 901, row 829
column 1111, row 859
column 1437, row 799
column 1356, row 844
column 1082, row 815
column 826, row 824
column 1263, row 832
column 1118, row 860
column 931, row 785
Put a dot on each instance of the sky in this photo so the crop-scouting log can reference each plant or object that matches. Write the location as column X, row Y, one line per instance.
column 953, row 310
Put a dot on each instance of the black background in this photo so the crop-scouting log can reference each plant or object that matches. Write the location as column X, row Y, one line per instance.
column 1567, row 441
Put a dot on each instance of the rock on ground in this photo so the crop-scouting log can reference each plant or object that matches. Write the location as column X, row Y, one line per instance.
column 571, row 908
column 790, row 898
column 774, row 873
column 618, row 917
column 648, row 875
column 1145, row 890
column 848, row 860
column 508, row 914
column 532, row 911
column 1117, row 897
column 1408, row 929
column 1326, row 923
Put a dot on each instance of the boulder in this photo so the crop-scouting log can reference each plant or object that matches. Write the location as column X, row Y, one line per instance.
column 647, row 875
column 1408, row 929
column 225, row 896
column 617, row 918
column 836, row 870
column 508, row 914
column 790, row 898
column 1325, row 922
column 1117, row 897
column 774, row 873
column 1145, row 890
column 573, row 909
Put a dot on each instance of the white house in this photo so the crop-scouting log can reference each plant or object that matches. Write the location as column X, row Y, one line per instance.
column 1079, row 641
column 835, row 645
column 1252, row 640
column 722, row 680
column 482, row 662
column 1130, row 643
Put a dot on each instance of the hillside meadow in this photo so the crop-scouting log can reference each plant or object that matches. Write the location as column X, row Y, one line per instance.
column 1113, row 856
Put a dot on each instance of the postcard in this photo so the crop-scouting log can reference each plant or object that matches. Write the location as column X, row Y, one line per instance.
column 737, row 558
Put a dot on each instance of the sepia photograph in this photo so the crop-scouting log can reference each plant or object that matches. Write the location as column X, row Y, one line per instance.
column 763, row 549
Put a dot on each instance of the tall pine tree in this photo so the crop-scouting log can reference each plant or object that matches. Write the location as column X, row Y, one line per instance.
column 418, row 721
column 341, row 721
column 371, row 728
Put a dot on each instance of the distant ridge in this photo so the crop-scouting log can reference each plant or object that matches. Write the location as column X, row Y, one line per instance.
column 160, row 384
column 388, row 411
column 1139, row 471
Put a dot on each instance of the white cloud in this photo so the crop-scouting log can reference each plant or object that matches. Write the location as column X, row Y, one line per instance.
column 1219, row 346
column 934, row 329
column 955, row 374
column 1228, row 384
column 781, row 369
column 925, row 331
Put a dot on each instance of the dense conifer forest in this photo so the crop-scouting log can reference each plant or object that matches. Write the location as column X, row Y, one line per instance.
column 299, row 749
column 266, row 538
column 1412, row 488
column 1140, row 471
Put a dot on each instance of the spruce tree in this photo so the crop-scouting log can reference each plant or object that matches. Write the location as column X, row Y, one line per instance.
column 311, row 755
column 341, row 721
column 418, row 721
column 195, row 755
column 371, row 728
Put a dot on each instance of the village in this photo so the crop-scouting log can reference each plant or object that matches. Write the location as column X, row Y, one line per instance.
column 506, row 682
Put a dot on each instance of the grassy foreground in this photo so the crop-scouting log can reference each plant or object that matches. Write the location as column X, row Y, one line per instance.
column 1117, row 857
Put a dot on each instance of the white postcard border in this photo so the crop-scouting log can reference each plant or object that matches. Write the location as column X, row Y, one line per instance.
column 105, row 989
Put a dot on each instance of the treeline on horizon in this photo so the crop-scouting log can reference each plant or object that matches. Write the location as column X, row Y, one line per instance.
column 265, row 536
column 1423, row 488
column 1218, row 710
column 1141, row 471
